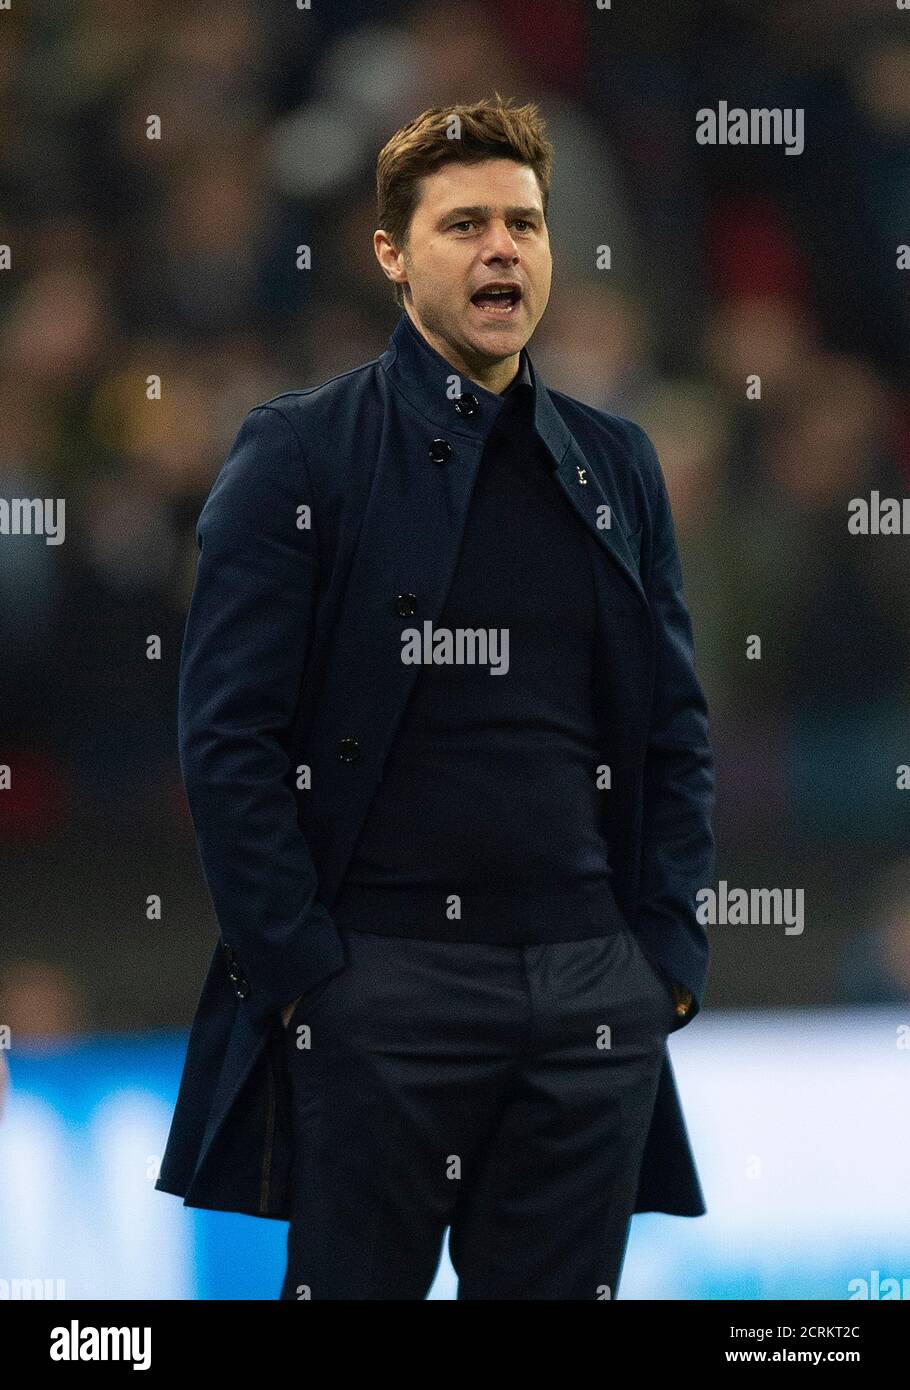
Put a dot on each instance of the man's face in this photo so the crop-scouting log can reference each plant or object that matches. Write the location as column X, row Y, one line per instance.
column 475, row 225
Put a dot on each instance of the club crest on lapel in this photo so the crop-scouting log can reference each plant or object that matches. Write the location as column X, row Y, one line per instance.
column 582, row 487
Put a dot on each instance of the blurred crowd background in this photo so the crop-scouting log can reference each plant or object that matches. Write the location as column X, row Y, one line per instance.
column 177, row 257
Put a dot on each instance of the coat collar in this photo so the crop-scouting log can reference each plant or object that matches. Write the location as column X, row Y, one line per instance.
column 452, row 402
column 440, row 395
column 523, row 376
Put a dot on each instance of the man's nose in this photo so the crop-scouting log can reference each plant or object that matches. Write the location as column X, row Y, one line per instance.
column 499, row 244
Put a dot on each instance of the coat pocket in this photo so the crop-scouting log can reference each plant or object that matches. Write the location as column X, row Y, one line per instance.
column 308, row 999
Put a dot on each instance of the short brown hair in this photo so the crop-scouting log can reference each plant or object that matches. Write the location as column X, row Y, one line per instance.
column 487, row 130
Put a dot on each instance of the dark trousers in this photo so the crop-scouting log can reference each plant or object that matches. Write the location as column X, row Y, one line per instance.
column 504, row 1091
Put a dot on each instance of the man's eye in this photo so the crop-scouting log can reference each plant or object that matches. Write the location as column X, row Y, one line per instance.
column 470, row 222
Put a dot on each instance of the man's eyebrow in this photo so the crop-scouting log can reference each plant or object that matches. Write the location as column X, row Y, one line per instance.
column 484, row 210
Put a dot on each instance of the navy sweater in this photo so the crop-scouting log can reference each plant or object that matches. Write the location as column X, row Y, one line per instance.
column 487, row 824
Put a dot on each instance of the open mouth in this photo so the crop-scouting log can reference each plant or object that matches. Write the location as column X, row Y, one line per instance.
column 497, row 301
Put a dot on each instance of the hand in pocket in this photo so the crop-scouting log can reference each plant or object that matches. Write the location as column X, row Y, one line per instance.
column 287, row 1012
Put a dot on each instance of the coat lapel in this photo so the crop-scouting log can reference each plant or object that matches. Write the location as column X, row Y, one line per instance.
column 583, row 488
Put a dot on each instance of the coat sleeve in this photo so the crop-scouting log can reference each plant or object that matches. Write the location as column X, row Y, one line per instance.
column 678, row 787
column 244, row 649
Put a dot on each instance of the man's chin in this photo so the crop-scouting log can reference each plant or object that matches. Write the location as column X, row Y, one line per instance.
column 490, row 339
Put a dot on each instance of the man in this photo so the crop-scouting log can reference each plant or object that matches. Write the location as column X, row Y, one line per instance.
column 449, row 768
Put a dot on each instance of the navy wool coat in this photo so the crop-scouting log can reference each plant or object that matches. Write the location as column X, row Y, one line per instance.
column 332, row 503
